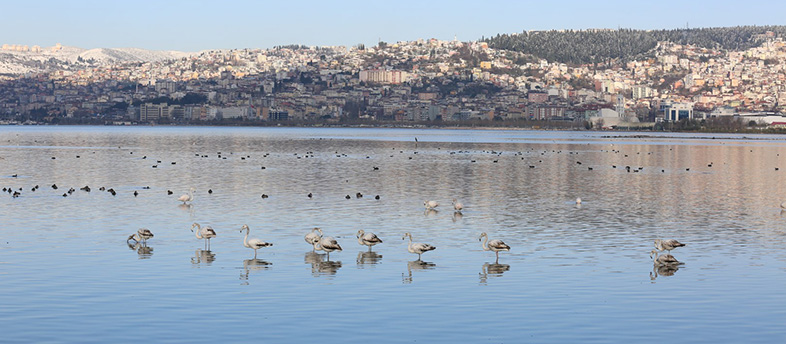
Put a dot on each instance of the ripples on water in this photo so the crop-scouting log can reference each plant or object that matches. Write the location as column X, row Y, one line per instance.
column 574, row 273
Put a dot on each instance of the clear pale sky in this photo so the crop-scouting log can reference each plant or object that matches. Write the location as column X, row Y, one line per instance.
column 193, row 25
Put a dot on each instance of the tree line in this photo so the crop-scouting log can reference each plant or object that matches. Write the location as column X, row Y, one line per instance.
column 600, row 46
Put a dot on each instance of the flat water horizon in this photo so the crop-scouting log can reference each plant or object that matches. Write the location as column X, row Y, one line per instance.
column 574, row 272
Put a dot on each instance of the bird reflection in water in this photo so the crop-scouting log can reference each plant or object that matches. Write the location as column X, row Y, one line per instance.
column 320, row 266
column 253, row 264
column 457, row 216
column 368, row 258
column 492, row 270
column 203, row 256
column 663, row 270
column 430, row 212
column 415, row 265
column 144, row 251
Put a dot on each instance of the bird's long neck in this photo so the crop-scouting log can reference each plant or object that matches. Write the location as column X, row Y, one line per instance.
column 245, row 240
column 317, row 246
column 198, row 231
column 485, row 243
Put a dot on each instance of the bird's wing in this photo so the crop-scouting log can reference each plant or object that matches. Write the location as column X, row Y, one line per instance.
column 674, row 243
column 371, row 237
column 498, row 244
column 423, row 247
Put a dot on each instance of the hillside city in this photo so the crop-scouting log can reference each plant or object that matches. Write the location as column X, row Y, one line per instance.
column 421, row 82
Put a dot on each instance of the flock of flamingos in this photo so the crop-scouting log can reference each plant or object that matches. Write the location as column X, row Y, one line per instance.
column 662, row 262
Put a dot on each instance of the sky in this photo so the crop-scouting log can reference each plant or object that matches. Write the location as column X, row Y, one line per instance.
column 196, row 25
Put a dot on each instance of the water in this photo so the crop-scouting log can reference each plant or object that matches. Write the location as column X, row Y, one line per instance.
column 575, row 273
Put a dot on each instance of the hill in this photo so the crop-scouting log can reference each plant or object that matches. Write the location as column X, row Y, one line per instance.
column 597, row 46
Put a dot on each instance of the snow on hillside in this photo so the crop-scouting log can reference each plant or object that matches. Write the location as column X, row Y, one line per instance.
column 48, row 59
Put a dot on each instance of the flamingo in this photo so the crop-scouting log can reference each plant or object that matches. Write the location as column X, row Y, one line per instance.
column 457, row 206
column 207, row 233
column 430, row 204
column 495, row 245
column 578, row 200
column 667, row 245
column 665, row 259
column 141, row 235
column 327, row 244
column 417, row 247
column 187, row 198
column 368, row 239
column 253, row 243
column 313, row 237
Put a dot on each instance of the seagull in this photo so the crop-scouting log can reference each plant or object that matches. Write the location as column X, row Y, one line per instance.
column 327, row 244
column 141, row 235
column 430, row 204
column 203, row 233
column 187, row 198
column 665, row 259
column 457, row 206
column 417, row 247
column 253, row 243
column 667, row 245
column 368, row 239
column 312, row 237
column 495, row 245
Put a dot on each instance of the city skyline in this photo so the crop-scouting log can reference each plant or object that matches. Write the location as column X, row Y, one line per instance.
column 203, row 25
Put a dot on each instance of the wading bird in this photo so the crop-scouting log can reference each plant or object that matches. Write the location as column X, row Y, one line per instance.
column 253, row 243
column 417, row 247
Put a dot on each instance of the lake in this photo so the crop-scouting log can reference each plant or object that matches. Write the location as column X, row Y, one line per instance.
column 574, row 273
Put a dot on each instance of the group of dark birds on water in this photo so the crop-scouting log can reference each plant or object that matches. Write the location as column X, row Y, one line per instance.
column 664, row 264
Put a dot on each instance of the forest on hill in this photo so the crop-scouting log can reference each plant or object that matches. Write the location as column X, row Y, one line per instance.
column 599, row 46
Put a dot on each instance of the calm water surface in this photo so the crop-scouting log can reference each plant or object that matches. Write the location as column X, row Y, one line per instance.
column 574, row 273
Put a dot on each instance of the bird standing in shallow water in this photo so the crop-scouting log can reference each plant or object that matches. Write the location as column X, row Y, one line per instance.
column 312, row 237
column 495, row 245
column 141, row 235
column 667, row 245
column 457, row 206
column 187, row 198
column 203, row 233
column 327, row 244
column 368, row 239
column 430, row 204
column 253, row 243
column 417, row 247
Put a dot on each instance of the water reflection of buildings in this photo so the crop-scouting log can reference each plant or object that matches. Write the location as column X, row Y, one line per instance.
column 203, row 257
column 492, row 270
column 415, row 265
column 368, row 258
column 144, row 251
column 320, row 266
column 253, row 265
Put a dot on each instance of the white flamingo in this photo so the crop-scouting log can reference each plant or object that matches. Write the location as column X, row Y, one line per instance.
column 368, row 239
column 430, row 204
column 327, row 244
column 312, row 237
column 253, row 243
column 495, row 245
column 204, row 233
column 457, row 206
column 141, row 235
column 578, row 200
column 188, row 197
column 417, row 247
column 665, row 259
column 667, row 245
